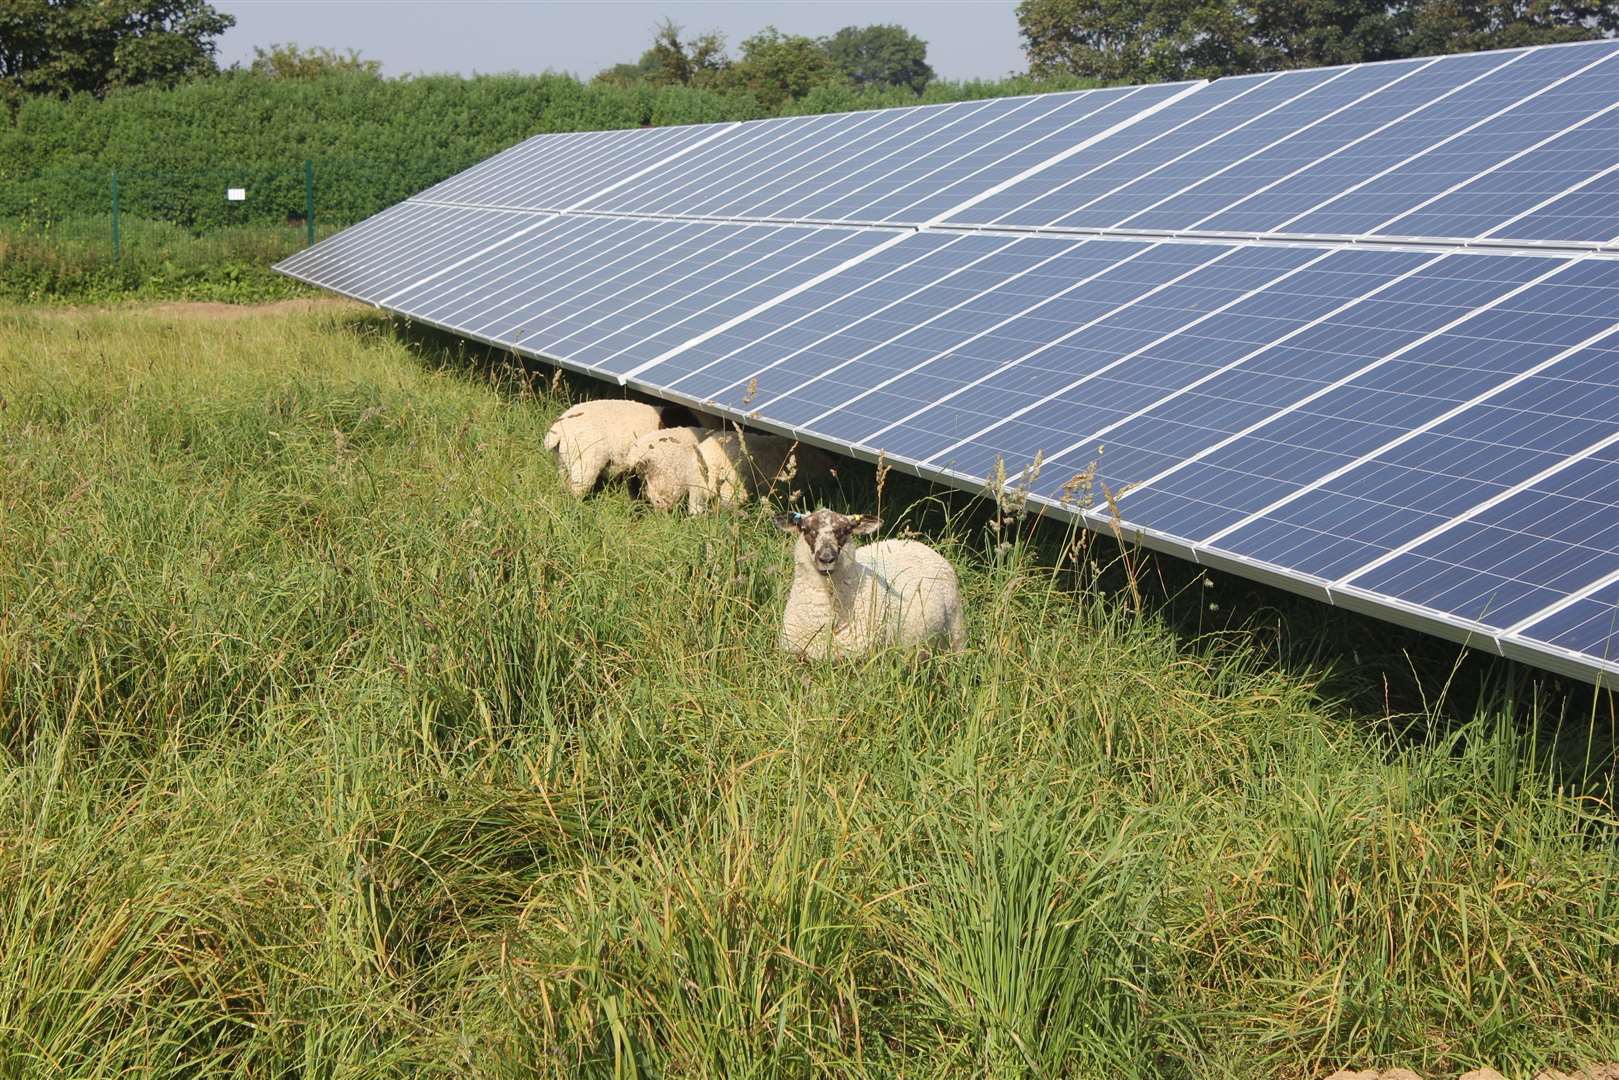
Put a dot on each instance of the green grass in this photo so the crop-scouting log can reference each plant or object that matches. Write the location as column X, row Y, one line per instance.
column 335, row 742
column 73, row 261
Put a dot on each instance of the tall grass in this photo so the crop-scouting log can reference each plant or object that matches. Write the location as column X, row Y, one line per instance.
column 74, row 259
column 334, row 741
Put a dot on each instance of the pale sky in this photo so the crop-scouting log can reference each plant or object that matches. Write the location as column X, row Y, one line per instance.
column 966, row 38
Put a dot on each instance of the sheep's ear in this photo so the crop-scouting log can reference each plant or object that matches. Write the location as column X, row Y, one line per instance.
column 865, row 525
column 787, row 522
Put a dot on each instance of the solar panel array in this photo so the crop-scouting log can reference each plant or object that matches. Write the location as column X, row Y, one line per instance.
column 1353, row 331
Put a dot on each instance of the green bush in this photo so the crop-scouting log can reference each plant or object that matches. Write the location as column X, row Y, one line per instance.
column 74, row 259
column 373, row 141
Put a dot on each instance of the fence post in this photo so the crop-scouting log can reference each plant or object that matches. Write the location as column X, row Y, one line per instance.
column 117, row 243
column 309, row 198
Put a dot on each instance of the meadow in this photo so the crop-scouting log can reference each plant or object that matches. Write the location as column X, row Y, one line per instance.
column 72, row 261
column 335, row 741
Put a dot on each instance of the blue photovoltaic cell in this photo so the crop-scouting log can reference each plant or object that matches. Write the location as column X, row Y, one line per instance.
column 553, row 172
column 1537, row 108
column 1096, row 328
column 613, row 293
column 1396, row 369
column 1145, row 148
column 1589, row 625
column 779, row 349
column 1359, row 168
column 1229, row 363
column 1402, row 123
column 893, row 165
column 1020, row 276
column 1499, row 202
column 564, row 249
column 1069, row 381
column 1346, row 151
column 980, row 287
column 862, row 291
column 1519, row 557
column 1592, row 209
column 1290, row 121
column 1427, row 481
column 393, row 249
column 1028, row 291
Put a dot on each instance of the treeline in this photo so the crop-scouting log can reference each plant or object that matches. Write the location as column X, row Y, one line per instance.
column 777, row 68
column 1161, row 40
column 373, row 141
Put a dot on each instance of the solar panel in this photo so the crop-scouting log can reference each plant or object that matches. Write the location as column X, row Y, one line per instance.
column 1351, row 331
column 554, row 172
column 1586, row 623
column 608, row 293
column 1410, row 148
column 890, row 166
column 373, row 259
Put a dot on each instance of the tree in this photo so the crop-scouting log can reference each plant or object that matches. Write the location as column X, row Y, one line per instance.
column 1451, row 26
column 69, row 46
column 881, row 55
column 672, row 61
column 1136, row 40
column 1152, row 40
column 666, row 63
column 291, row 62
column 1315, row 33
column 777, row 68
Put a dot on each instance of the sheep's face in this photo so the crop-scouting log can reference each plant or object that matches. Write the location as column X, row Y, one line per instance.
column 826, row 534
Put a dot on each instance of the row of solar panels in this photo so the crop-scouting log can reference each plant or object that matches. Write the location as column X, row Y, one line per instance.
column 1421, row 430
column 1505, row 146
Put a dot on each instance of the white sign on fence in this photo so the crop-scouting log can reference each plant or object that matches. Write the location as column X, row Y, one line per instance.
column 236, row 194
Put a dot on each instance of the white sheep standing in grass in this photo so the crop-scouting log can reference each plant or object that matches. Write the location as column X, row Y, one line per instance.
column 732, row 467
column 664, row 461
column 592, row 439
column 848, row 600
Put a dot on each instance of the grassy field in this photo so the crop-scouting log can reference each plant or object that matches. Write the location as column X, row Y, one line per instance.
column 72, row 261
column 335, row 742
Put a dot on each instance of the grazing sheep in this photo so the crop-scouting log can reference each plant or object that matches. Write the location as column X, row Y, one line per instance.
column 847, row 600
column 664, row 462
column 592, row 439
column 731, row 468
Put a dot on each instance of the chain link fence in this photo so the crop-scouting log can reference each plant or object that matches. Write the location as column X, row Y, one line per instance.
column 65, row 232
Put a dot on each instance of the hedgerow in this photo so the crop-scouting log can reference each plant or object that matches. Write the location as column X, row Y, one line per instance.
column 373, row 141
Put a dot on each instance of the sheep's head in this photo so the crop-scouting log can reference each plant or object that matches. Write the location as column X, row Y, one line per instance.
column 825, row 534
